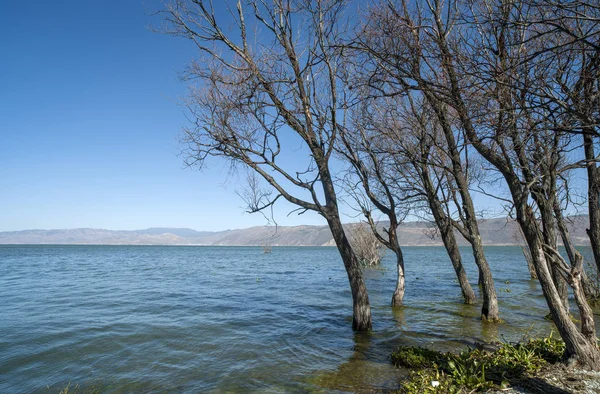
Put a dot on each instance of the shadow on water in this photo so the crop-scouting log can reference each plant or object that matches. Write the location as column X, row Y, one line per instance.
column 366, row 370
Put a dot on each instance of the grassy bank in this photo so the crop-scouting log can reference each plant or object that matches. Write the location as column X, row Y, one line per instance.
column 476, row 370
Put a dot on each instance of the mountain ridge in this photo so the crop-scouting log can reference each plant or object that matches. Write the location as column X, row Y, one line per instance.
column 499, row 231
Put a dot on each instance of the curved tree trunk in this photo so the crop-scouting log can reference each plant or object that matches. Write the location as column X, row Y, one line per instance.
column 580, row 346
column 361, row 319
column 489, row 308
column 448, row 237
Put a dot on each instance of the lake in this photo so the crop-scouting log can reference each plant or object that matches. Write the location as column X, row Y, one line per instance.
column 213, row 319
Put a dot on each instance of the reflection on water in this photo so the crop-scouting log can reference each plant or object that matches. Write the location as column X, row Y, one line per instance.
column 366, row 370
column 398, row 315
column 210, row 319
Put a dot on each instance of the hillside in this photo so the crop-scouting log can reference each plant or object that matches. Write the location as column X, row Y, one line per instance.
column 493, row 232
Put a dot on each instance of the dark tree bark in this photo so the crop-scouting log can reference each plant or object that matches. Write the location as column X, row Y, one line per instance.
column 447, row 233
column 361, row 316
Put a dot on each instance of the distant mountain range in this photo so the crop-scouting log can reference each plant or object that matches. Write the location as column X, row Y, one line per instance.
column 493, row 232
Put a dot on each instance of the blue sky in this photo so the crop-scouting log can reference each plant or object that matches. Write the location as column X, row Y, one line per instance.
column 89, row 122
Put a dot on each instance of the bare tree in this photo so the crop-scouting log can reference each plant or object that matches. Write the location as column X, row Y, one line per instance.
column 369, row 250
column 267, row 98
column 361, row 147
column 488, row 85
column 568, row 38
column 396, row 132
column 396, row 40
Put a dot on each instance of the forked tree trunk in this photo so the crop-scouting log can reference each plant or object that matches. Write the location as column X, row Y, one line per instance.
column 580, row 346
column 361, row 319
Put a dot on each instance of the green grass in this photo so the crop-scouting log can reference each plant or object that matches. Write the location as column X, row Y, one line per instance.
column 474, row 370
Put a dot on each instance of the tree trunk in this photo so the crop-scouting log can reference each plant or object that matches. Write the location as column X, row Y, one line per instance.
column 447, row 233
column 451, row 246
column 593, row 173
column 530, row 266
column 398, row 297
column 579, row 347
column 489, row 309
column 361, row 319
column 574, row 256
column 546, row 202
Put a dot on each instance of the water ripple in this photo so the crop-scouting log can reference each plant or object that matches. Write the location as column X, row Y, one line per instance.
column 190, row 319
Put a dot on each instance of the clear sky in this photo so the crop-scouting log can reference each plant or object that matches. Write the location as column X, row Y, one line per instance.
column 89, row 125
column 89, row 122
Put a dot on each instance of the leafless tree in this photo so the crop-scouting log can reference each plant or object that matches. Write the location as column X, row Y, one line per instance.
column 369, row 250
column 395, row 134
column 371, row 185
column 396, row 40
column 265, row 96
column 481, row 54
column 567, row 35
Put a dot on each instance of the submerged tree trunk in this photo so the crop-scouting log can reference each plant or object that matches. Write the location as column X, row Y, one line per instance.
column 448, row 237
column 361, row 320
column 451, row 246
column 580, row 346
column 398, row 297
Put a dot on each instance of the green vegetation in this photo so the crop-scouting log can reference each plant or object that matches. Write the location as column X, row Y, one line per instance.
column 416, row 357
column 475, row 370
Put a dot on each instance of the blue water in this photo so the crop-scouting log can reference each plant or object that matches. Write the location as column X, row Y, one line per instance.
column 195, row 319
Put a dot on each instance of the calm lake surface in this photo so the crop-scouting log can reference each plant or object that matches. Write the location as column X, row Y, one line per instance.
column 212, row 319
